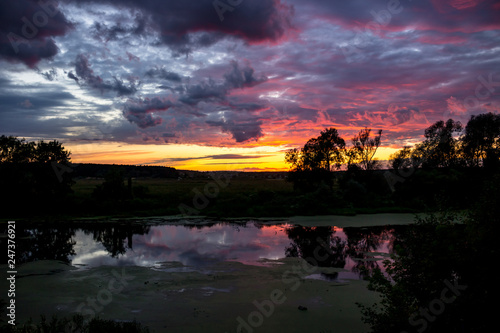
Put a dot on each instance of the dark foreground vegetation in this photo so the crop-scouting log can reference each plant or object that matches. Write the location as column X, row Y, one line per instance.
column 327, row 176
column 75, row 324
column 441, row 279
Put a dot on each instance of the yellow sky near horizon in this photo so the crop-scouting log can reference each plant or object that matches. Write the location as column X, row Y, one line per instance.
column 190, row 157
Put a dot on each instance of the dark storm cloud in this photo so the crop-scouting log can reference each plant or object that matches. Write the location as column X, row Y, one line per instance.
column 140, row 111
column 72, row 76
column 43, row 99
column 187, row 25
column 402, row 115
column 27, row 28
column 49, row 75
column 242, row 128
column 300, row 113
column 106, row 33
column 210, row 91
column 211, row 157
column 85, row 74
column 162, row 73
column 207, row 91
column 232, row 156
column 23, row 107
column 207, row 99
column 434, row 15
column 242, row 77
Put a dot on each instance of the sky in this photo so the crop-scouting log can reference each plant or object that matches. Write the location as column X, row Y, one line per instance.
column 232, row 84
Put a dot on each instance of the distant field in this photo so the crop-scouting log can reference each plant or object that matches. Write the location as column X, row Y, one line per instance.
column 165, row 186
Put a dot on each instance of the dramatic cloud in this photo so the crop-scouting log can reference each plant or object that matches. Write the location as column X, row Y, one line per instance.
column 141, row 111
column 242, row 78
column 49, row 75
column 242, row 128
column 85, row 74
column 27, row 28
column 267, row 74
column 444, row 16
column 119, row 31
column 185, row 26
column 207, row 91
column 210, row 91
column 162, row 73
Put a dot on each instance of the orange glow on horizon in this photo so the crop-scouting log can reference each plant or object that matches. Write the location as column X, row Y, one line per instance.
column 191, row 157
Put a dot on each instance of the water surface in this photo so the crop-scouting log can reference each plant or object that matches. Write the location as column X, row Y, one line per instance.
column 189, row 247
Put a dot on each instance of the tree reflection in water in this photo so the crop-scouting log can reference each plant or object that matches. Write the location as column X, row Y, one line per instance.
column 44, row 243
column 357, row 244
column 116, row 239
column 349, row 248
column 55, row 241
column 305, row 240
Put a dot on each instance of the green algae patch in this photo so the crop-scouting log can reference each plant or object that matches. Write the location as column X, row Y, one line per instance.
column 223, row 297
column 361, row 220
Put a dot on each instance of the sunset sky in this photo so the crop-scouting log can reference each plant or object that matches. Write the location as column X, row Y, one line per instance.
column 232, row 84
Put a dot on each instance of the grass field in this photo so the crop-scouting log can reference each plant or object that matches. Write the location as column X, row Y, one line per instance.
column 238, row 196
column 165, row 186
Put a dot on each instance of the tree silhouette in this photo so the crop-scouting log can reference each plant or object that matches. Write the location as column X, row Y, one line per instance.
column 364, row 148
column 481, row 139
column 113, row 187
column 31, row 171
column 442, row 148
column 305, row 243
column 44, row 242
column 324, row 152
column 478, row 146
column 116, row 239
column 312, row 164
column 402, row 159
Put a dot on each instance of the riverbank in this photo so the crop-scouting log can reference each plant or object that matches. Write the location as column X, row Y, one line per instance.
column 231, row 295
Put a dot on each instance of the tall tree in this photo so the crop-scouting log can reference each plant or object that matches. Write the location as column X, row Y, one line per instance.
column 32, row 171
column 13, row 150
column 441, row 147
column 365, row 147
column 401, row 159
column 481, row 138
column 313, row 163
column 324, row 152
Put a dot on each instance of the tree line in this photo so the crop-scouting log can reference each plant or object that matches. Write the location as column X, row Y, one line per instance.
column 450, row 145
column 314, row 163
column 36, row 178
column 446, row 145
column 30, row 174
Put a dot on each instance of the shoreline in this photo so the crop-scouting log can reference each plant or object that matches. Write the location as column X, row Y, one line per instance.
column 359, row 220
